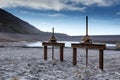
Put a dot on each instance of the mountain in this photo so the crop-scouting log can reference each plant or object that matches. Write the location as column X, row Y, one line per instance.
column 11, row 24
column 13, row 28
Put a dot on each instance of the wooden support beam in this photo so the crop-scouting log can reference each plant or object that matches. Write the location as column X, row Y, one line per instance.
column 52, row 52
column 101, row 59
column 45, row 52
column 74, row 56
column 61, row 54
column 86, row 57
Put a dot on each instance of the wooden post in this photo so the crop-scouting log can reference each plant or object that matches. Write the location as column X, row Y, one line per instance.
column 74, row 56
column 101, row 61
column 45, row 52
column 86, row 25
column 61, row 54
column 52, row 52
column 86, row 57
column 53, row 32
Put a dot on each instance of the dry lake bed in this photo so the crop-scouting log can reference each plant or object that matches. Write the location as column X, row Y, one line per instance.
column 17, row 63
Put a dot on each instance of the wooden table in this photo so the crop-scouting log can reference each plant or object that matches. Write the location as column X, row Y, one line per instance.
column 61, row 45
column 100, row 47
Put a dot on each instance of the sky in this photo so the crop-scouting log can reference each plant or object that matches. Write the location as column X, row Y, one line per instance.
column 68, row 16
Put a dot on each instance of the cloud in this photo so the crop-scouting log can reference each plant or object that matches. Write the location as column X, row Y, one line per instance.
column 103, row 3
column 56, row 15
column 118, row 13
column 57, row 5
column 32, row 13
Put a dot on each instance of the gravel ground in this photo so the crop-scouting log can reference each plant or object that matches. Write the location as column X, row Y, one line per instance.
column 18, row 63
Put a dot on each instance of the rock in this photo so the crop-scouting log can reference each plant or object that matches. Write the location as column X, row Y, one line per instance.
column 14, row 78
column 35, row 79
column 54, row 62
column 118, row 45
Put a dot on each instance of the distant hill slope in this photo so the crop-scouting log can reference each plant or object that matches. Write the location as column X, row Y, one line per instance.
column 11, row 24
column 11, row 28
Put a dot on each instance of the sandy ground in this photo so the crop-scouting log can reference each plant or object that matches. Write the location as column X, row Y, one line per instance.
column 27, row 64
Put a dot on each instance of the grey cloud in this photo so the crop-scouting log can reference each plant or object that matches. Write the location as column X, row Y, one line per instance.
column 103, row 3
column 118, row 13
column 56, row 15
column 56, row 5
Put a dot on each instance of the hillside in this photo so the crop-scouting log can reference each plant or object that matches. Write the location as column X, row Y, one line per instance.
column 13, row 28
column 11, row 24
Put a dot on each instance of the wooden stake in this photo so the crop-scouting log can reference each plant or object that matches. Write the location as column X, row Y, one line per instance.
column 86, row 25
column 53, row 32
column 86, row 57
column 52, row 52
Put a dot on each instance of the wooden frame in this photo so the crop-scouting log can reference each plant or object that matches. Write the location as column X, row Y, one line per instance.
column 100, row 47
column 61, row 45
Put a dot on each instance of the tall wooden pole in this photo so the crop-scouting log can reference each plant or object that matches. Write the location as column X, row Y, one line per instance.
column 86, row 25
column 86, row 35
column 53, row 32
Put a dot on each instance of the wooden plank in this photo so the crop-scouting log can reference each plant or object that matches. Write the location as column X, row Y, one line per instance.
column 53, row 44
column 90, row 46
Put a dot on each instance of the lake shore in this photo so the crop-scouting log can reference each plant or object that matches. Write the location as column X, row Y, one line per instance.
column 28, row 64
column 38, row 44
